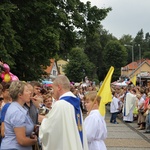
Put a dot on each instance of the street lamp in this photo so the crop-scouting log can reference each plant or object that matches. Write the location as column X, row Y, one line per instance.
column 132, row 53
column 140, row 62
column 139, row 52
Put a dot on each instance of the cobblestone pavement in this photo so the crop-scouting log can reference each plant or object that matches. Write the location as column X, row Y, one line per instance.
column 125, row 136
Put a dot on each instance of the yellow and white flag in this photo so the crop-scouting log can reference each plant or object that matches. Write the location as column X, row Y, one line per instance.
column 133, row 80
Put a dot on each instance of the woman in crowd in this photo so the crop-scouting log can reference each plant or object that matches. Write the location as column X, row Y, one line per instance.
column 1, row 89
column 94, row 123
column 5, row 93
column 18, row 124
column 6, row 103
column 1, row 99
column 47, row 101
column 141, row 117
column 147, row 112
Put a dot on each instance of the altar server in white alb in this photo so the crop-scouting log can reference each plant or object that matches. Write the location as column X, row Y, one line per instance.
column 62, row 129
column 94, row 123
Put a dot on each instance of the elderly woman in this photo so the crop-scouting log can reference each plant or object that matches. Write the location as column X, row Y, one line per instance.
column 47, row 100
column 18, row 124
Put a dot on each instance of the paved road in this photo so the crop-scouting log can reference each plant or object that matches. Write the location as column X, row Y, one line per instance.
column 125, row 136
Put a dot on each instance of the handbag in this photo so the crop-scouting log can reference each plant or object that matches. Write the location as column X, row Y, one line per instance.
column 135, row 111
column 141, row 111
column 146, row 112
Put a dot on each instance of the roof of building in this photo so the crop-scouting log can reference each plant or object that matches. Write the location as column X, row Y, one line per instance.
column 136, row 64
column 49, row 68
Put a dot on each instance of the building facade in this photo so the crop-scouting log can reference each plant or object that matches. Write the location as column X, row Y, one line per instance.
column 52, row 70
column 141, row 69
column 61, row 64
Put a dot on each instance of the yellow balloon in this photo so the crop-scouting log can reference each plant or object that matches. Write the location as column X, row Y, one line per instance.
column 7, row 77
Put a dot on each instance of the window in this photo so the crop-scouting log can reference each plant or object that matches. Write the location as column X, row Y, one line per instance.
column 54, row 72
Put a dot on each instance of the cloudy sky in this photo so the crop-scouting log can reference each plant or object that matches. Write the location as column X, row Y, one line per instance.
column 126, row 17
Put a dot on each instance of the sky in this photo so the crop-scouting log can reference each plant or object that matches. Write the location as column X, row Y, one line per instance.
column 126, row 17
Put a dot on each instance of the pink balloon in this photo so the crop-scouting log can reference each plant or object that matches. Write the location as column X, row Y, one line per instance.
column 8, row 73
column 2, row 75
column 13, row 77
column 6, row 68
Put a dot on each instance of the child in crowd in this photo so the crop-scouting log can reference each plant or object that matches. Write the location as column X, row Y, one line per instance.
column 114, row 108
column 94, row 123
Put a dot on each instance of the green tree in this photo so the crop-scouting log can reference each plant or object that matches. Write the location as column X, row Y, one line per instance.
column 105, row 37
column 116, row 56
column 139, row 45
column 9, row 44
column 38, row 38
column 93, row 28
column 93, row 48
column 39, row 30
column 79, row 66
column 127, row 41
column 146, row 55
column 146, row 45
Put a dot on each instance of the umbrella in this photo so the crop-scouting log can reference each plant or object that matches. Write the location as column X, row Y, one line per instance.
column 47, row 83
column 121, row 83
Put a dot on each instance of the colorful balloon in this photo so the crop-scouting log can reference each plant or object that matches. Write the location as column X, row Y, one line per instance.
column 6, row 68
column 2, row 75
column 7, row 77
column 13, row 77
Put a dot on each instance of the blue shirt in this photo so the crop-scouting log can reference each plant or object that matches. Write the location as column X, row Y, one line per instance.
column 0, row 116
column 3, row 112
column 16, row 116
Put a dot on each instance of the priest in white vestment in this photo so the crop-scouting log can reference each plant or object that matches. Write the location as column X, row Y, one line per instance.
column 129, row 104
column 62, row 129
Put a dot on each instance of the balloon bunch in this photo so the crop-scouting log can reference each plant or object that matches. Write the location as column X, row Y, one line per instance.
column 5, row 73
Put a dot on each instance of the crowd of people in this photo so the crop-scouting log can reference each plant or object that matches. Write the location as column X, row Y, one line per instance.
column 131, row 103
column 36, row 117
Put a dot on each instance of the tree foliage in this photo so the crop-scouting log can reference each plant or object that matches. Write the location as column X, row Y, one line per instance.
column 34, row 31
column 93, row 39
column 105, row 37
column 146, row 55
column 9, row 44
column 127, row 41
column 79, row 66
column 116, row 56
